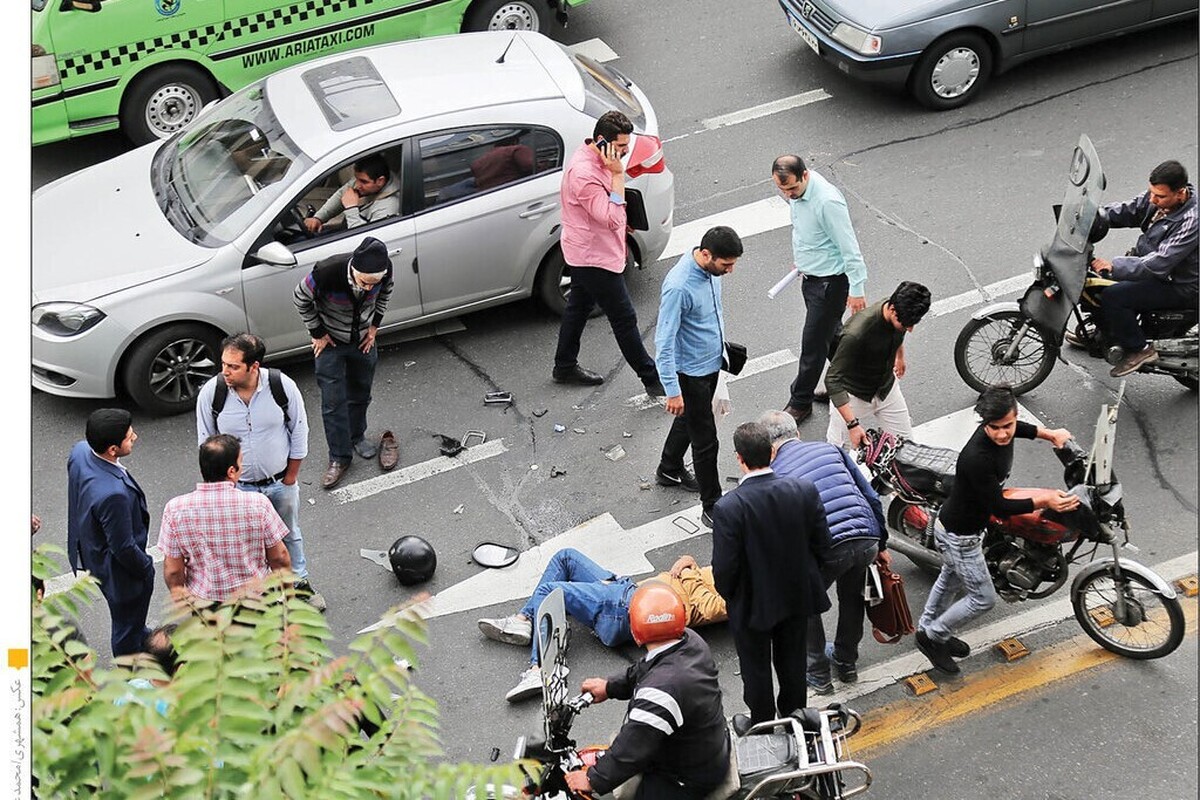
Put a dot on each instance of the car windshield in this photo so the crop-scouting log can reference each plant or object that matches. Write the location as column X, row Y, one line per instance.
column 217, row 176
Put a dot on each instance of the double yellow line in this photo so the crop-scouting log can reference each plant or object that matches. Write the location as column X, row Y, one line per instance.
column 899, row 721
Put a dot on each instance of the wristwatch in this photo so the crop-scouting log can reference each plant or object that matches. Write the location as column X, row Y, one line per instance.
column 852, row 424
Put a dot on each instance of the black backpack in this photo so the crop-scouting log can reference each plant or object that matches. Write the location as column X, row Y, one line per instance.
column 274, row 383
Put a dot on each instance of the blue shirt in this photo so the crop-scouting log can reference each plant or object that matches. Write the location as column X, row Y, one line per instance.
column 688, row 337
column 823, row 241
column 267, row 443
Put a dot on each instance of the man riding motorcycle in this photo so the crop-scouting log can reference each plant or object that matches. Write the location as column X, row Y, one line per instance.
column 1161, row 272
column 674, row 734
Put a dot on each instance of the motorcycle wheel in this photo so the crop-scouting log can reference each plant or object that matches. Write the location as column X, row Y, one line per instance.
column 1153, row 626
column 980, row 347
column 911, row 536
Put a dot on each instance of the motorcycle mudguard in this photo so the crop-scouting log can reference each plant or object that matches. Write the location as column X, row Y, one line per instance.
column 996, row 308
column 1100, row 564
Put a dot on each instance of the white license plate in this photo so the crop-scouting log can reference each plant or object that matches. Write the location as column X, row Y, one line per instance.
column 808, row 38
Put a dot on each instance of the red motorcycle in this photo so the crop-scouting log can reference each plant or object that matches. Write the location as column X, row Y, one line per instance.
column 1124, row 606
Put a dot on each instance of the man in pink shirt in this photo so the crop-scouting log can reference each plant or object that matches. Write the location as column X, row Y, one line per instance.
column 593, row 246
column 217, row 539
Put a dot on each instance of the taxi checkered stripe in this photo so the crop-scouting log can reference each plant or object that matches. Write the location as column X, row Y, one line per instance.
column 202, row 37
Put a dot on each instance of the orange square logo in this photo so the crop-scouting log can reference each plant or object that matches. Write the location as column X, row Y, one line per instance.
column 18, row 657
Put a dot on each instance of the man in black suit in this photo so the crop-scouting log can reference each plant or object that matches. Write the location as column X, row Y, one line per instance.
column 107, row 525
column 769, row 541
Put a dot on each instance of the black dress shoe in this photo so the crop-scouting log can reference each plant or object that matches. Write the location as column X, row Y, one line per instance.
column 706, row 518
column 957, row 647
column 936, row 653
column 799, row 414
column 578, row 374
column 741, row 724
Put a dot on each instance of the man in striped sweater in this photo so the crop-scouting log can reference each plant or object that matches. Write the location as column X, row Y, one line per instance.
column 342, row 302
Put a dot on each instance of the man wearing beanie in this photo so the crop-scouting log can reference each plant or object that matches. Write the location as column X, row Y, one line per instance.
column 342, row 302
column 107, row 525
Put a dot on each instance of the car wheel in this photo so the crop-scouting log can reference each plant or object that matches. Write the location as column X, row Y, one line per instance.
column 951, row 72
column 554, row 284
column 508, row 15
column 166, row 368
column 163, row 101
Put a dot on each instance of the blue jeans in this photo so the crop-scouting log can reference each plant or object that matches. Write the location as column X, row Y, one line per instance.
column 286, row 501
column 824, row 304
column 847, row 566
column 344, row 374
column 602, row 607
column 963, row 571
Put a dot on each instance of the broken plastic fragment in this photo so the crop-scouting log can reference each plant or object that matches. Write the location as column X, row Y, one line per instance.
column 460, row 508
column 615, row 453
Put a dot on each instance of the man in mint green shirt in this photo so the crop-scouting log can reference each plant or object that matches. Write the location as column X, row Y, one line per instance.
column 825, row 252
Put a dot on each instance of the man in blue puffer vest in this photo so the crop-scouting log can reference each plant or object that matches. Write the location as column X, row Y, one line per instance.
column 859, row 533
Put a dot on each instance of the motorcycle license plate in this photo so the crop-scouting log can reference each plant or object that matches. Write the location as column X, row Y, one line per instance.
column 808, row 38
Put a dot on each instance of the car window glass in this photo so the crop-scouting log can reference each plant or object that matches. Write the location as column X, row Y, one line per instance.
column 350, row 93
column 323, row 201
column 465, row 162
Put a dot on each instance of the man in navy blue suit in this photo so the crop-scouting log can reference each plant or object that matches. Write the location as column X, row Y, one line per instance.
column 107, row 525
column 770, row 538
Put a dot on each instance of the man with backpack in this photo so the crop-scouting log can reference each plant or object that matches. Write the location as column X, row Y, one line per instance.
column 264, row 409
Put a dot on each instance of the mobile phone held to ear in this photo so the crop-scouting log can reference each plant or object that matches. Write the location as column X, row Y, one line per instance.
column 602, row 145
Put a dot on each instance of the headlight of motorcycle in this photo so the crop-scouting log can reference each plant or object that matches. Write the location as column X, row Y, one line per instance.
column 65, row 319
column 858, row 40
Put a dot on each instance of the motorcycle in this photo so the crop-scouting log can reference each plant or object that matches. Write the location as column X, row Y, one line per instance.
column 1123, row 606
column 800, row 757
column 1018, row 342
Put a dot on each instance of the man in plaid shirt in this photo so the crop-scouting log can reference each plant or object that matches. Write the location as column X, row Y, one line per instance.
column 217, row 538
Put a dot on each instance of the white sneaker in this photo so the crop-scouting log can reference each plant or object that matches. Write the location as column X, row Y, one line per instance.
column 530, row 685
column 510, row 630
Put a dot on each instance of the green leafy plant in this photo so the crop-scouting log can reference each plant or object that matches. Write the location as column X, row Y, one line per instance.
column 258, row 708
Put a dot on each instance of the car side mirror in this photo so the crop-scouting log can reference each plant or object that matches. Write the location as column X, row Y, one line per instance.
column 275, row 254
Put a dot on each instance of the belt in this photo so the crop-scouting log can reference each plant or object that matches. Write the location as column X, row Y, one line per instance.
column 822, row 278
column 265, row 481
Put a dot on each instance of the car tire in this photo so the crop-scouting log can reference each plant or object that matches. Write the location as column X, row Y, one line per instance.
column 951, row 72
column 511, row 15
column 165, row 369
column 164, row 100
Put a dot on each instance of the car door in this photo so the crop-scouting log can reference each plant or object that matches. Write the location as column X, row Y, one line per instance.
column 1053, row 24
column 488, row 200
column 269, row 288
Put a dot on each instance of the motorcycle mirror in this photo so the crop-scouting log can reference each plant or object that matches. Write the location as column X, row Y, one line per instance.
column 494, row 556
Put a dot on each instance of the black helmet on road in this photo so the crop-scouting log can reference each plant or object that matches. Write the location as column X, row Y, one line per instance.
column 413, row 559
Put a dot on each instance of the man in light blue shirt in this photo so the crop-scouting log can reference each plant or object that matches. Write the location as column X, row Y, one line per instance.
column 272, row 425
column 689, row 341
column 825, row 251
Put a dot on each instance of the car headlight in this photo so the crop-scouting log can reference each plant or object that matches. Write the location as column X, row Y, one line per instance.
column 45, row 71
column 65, row 319
column 858, row 40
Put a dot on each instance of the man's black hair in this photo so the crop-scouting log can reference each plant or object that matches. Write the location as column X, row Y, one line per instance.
column 107, row 427
column 910, row 301
column 789, row 165
column 611, row 125
column 1171, row 174
column 996, row 402
column 752, row 442
column 251, row 346
column 158, row 644
column 374, row 165
column 218, row 453
column 722, row 241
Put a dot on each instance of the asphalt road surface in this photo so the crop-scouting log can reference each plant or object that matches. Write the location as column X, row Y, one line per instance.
column 958, row 200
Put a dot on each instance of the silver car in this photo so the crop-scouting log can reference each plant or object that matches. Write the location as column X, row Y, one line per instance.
column 143, row 263
column 944, row 51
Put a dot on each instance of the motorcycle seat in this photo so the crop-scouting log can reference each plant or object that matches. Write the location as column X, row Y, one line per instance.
column 927, row 471
column 764, row 753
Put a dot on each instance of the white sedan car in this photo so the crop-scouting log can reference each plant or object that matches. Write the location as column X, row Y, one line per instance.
column 172, row 246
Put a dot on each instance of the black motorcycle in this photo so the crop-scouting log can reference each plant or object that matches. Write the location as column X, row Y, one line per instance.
column 1018, row 342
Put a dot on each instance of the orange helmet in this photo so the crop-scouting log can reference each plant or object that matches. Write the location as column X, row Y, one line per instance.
column 656, row 614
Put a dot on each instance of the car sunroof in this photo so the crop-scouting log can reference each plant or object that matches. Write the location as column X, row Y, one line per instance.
column 350, row 93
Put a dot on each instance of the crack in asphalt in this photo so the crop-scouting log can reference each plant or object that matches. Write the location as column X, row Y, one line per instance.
column 1143, row 425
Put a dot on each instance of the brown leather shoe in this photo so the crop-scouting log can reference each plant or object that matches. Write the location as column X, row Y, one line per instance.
column 389, row 451
column 333, row 474
column 799, row 414
column 1132, row 362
